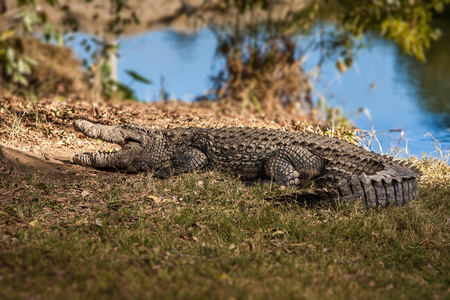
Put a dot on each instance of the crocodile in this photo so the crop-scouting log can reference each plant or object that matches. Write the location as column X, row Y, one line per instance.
column 340, row 170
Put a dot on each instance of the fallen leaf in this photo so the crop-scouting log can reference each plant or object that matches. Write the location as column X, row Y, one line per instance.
column 200, row 183
column 221, row 276
column 278, row 232
column 251, row 246
column 154, row 198
column 198, row 225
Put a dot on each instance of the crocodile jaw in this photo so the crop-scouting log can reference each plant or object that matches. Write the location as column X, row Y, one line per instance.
column 130, row 141
column 119, row 160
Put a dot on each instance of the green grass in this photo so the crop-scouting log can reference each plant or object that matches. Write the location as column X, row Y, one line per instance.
column 207, row 235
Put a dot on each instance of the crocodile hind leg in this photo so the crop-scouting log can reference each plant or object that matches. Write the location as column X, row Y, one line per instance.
column 289, row 167
column 192, row 159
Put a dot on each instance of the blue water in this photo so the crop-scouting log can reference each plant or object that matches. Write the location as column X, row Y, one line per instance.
column 396, row 91
column 182, row 64
column 379, row 83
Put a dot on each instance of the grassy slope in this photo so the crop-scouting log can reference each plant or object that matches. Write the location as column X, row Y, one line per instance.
column 207, row 235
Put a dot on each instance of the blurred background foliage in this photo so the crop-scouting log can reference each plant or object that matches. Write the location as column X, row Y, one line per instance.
column 263, row 69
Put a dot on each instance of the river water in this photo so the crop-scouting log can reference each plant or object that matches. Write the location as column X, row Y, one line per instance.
column 395, row 91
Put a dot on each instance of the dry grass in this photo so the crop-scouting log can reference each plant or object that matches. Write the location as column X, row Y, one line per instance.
column 268, row 80
column 58, row 71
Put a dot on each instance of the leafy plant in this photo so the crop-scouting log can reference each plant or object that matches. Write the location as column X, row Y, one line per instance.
column 15, row 65
column 408, row 23
column 118, row 90
column 102, row 49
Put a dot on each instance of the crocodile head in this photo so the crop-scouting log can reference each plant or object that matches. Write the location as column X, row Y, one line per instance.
column 132, row 138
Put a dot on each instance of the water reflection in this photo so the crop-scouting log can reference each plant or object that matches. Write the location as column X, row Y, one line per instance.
column 431, row 81
column 398, row 91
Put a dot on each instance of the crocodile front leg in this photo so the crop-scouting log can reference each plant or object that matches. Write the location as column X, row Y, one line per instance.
column 190, row 160
column 289, row 167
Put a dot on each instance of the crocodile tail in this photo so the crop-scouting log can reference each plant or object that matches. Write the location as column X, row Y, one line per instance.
column 352, row 173
column 394, row 185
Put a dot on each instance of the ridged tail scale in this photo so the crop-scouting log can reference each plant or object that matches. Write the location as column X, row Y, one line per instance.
column 351, row 172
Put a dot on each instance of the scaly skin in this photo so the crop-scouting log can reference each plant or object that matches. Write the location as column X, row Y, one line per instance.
column 341, row 170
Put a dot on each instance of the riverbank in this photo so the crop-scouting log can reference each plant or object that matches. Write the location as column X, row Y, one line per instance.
column 71, row 231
